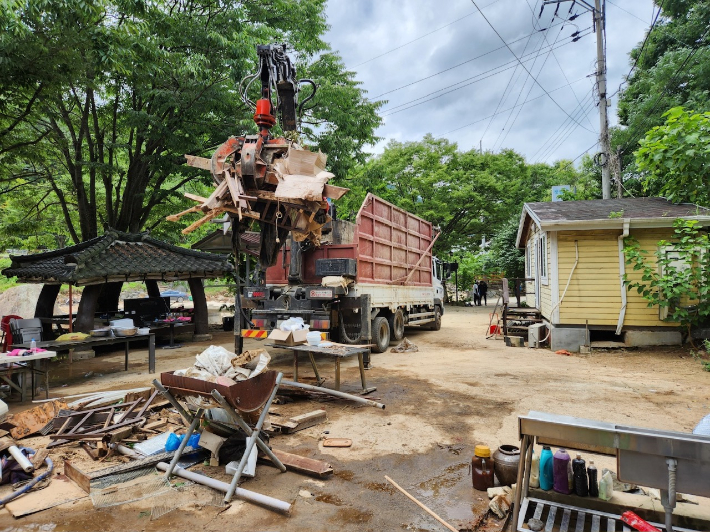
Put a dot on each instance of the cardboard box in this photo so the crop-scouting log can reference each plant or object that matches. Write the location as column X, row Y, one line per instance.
column 288, row 337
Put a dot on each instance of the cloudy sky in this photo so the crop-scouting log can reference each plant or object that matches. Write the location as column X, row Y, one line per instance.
column 445, row 71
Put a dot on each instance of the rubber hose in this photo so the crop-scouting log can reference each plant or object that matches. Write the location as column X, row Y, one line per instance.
column 27, row 487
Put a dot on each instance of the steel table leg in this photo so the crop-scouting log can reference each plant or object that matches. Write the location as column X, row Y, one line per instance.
column 361, row 363
column 295, row 366
column 315, row 368
column 251, row 441
column 151, row 354
column 519, row 485
column 126, row 349
column 337, row 373
column 183, row 443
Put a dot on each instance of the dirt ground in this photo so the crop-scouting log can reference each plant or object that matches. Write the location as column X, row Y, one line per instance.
column 460, row 389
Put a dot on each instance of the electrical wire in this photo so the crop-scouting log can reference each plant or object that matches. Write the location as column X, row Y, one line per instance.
column 404, row 106
column 422, row 36
column 521, row 63
column 504, row 110
column 567, row 126
column 457, row 65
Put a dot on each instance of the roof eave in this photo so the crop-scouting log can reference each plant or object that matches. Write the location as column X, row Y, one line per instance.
column 615, row 223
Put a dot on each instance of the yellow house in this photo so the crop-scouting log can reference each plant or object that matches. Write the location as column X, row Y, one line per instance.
column 574, row 253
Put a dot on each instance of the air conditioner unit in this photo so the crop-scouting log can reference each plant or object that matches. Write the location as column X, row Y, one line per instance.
column 536, row 334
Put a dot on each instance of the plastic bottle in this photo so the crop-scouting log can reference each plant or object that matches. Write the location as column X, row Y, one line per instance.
column 593, row 486
column 581, row 484
column 33, row 346
column 560, row 465
column 535, row 471
column 606, row 486
column 570, row 476
column 482, row 468
column 546, row 469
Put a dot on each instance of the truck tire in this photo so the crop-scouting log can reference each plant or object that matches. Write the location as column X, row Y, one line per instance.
column 396, row 322
column 380, row 334
column 436, row 324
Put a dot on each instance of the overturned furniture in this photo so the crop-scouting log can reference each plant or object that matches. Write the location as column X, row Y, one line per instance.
column 673, row 462
column 237, row 400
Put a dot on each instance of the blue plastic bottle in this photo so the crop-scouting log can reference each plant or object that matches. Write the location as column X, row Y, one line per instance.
column 546, row 470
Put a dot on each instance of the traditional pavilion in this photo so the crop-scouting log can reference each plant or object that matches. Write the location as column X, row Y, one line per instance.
column 104, row 263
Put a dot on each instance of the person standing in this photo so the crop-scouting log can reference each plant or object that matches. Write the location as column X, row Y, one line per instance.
column 476, row 294
column 482, row 292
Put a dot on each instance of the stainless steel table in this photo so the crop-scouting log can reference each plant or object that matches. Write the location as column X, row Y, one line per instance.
column 24, row 364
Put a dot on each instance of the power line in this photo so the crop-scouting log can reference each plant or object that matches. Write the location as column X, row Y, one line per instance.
column 566, row 133
column 505, row 110
column 455, row 66
column 521, row 63
column 422, row 36
column 511, row 64
column 555, row 140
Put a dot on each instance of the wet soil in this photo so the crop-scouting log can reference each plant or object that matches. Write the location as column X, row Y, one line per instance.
column 460, row 389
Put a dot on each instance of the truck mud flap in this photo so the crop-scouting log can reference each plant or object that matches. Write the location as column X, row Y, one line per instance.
column 363, row 305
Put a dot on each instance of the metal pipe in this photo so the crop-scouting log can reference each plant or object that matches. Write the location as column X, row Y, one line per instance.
column 246, row 428
column 672, row 468
column 125, row 451
column 21, row 459
column 185, row 415
column 257, row 498
column 251, row 440
column 335, row 393
column 183, row 443
column 622, row 274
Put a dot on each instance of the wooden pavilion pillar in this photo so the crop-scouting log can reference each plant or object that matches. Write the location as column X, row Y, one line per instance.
column 199, row 301
column 87, row 307
column 110, row 296
column 151, row 285
column 45, row 307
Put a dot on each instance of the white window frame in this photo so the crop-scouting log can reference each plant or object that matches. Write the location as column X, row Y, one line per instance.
column 542, row 250
column 528, row 259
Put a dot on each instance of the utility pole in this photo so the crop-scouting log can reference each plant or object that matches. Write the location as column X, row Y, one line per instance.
column 599, row 14
column 601, row 87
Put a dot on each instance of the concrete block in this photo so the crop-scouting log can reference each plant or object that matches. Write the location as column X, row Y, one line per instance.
column 567, row 338
column 652, row 337
column 83, row 354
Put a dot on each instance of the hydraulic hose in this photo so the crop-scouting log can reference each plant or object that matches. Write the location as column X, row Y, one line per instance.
column 27, row 487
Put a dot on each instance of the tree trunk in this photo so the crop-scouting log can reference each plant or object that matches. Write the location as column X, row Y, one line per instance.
column 152, row 286
column 87, row 308
column 110, row 296
column 200, row 304
column 45, row 307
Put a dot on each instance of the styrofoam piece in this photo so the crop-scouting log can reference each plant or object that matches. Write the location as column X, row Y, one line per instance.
column 125, row 323
column 3, row 410
column 151, row 446
column 249, row 469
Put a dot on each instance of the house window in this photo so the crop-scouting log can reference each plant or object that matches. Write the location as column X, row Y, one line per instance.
column 542, row 257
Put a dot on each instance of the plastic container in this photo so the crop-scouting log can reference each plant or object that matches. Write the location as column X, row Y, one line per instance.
column 581, row 484
column 546, row 469
column 535, row 471
column 33, row 346
column 482, row 468
column 560, row 466
column 606, row 486
column 592, row 474
column 313, row 338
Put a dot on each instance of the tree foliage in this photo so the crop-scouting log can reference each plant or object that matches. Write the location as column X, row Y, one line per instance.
column 676, row 157
column 672, row 69
column 679, row 277
column 467, row 195
column 100, row 100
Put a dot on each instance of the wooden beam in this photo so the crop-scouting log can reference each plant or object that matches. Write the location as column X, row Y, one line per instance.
column 77, row 475
column 334, row 192
column 176, row 217
column 199, row 162
column 301, row 422
column 301, row 464
column 199, row 223
column 195, row 197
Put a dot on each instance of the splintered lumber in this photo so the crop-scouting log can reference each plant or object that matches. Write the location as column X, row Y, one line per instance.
column 415, row 501
column 199, row 162
column 199, row 223
column 195, row 197
column 176, row 217
column 301, row 422
column 302, row 464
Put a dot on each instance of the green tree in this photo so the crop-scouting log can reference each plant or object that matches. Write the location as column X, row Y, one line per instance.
column 503, row 256
column 672, row 69
column 103, row 98
column 679, row 278
column 676, row 157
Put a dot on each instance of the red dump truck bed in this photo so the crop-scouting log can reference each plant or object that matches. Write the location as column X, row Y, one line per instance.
column 388, row 243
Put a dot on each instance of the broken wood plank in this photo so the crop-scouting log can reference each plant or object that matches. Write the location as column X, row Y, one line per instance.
column 199, row 162
column 301, row 422
column 68, row 422
column 233, row 190
column 199, row 223
column 77, row 475
column 156, row 425
column 195, row 197
column 176, row 217
column 302, row 464
column 213, row 200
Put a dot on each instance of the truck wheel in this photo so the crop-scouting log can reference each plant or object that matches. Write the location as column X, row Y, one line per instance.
column 396, row 322
column 380, row 334
column 436, row 324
